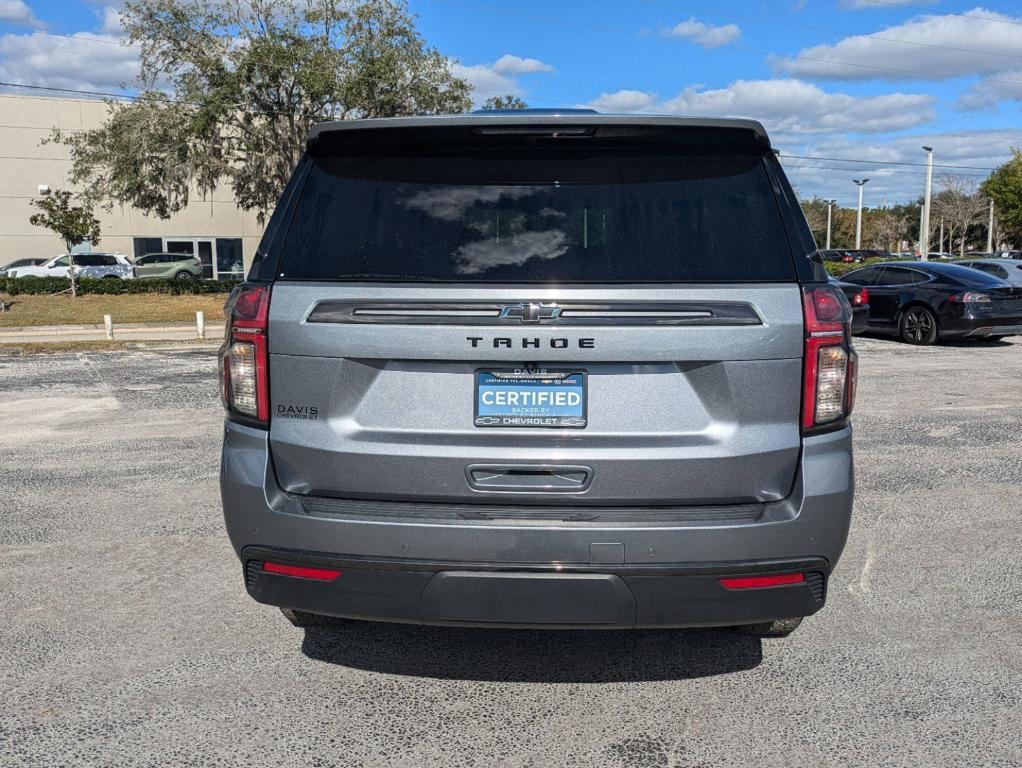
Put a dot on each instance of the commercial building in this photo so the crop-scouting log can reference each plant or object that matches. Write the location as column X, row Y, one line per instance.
column 223, row 236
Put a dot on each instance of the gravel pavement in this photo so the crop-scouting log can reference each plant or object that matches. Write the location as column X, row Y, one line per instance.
column 128, row 640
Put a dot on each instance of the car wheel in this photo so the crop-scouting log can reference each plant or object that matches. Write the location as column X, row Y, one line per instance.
column 918, row 326
column 183, row 275
column 306, row 619
column 775, row 628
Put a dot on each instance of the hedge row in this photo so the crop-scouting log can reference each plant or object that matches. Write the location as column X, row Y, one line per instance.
column 48, row 285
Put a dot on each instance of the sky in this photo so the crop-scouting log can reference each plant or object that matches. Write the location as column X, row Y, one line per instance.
column 847, row 89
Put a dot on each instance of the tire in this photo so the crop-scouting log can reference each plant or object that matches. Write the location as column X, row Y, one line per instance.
column 918, row 325
column 183, row 275
column 304, row 619
column 775, row 628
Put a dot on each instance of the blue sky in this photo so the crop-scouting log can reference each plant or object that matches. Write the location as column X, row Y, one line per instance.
column 861, row 83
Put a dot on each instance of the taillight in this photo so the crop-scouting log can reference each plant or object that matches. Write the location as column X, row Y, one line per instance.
column 244, row 364
column 970, row 297
column 861, row 298
column 829, row 367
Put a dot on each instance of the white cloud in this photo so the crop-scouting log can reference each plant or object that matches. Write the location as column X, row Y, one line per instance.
column 705, row 35
column 786, row 107
column 17, row 12
column 82, row 61
column 498, row 79
column 624, row 101
column 112, row 21
column 934, row 47
column 1007, row 86
column 858, row 5
column 979, row 150
column 509, row 64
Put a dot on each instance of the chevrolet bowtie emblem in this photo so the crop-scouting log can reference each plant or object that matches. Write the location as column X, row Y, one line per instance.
column 530, row 313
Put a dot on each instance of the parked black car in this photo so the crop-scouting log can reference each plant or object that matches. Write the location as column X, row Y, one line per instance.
column 858, row 297
column 923, row 301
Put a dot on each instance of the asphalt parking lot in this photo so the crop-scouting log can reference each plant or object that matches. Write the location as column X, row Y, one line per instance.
column 128, row 640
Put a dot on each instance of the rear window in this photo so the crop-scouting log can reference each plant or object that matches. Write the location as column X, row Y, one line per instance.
column 967, row 275
column 544, row 217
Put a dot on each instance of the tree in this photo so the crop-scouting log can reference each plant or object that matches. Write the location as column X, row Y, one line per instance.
column 1004, row 187
column 74, row 224
column 229, row 88
column 961, row 203
column 510, row 101
column 815, row 210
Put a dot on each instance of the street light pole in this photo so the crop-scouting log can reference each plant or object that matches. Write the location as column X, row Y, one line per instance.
column 858, row 215
column 990, row 229
column 924, row 225
column 830, row 204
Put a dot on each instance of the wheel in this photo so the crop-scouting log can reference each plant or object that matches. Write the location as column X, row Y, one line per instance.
column 306, row 619
column 775, row 628
column 918, row 326
column 183, row 275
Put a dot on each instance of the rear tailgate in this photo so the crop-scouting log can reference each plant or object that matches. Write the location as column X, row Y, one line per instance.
column 697, row 414
column 416, row 260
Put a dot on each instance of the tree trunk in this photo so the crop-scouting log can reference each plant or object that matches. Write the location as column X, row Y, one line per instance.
column 71, row 270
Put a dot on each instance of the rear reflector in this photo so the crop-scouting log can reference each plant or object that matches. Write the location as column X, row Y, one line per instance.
column 758, row 582
column 301, row 571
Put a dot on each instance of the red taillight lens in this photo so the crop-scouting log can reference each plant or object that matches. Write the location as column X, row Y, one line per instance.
column 759, row 582
column 301, row 571
column 970, row 297
column 861, row 299
column 828, row 367
column 244, row 364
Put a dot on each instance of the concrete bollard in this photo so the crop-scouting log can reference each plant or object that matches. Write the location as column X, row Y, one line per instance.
column 200, row 324
column 109, row 323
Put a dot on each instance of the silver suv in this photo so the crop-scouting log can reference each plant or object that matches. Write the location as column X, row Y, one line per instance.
column 543, row 370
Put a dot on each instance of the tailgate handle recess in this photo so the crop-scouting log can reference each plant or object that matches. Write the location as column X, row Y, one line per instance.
column 529, row 478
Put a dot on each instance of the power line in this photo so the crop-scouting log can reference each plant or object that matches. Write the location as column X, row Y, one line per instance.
column 888, row 162
column 947, row 13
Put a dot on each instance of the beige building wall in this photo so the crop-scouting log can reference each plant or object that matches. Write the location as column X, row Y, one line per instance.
column 25, row 164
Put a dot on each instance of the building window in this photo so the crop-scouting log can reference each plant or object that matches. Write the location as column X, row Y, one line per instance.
column 229, row 262
column 144, row 245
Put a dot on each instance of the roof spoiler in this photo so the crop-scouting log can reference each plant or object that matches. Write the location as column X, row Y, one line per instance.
column 566, row 124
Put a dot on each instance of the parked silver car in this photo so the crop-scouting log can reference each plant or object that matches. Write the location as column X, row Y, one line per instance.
column 1009, row 270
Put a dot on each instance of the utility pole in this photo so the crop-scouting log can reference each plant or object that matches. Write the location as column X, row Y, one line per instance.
column 924, row 225
column 830, row 204
column 858, row 215
column 940, row 246
column 990, row 229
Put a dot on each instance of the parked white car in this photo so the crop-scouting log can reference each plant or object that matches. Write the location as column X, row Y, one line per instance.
column 112, row 265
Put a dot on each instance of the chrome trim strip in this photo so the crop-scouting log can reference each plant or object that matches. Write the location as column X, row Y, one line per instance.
column 692, row 313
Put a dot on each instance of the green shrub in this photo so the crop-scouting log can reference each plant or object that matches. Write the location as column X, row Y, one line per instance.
column 47, row 285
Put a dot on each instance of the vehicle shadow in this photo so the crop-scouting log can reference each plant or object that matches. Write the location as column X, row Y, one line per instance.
column 533, row 656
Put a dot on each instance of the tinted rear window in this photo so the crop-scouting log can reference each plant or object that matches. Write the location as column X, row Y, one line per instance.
column 967, row 275
column 567, row 217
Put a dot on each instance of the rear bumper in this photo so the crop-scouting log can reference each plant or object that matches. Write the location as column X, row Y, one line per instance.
column 979, row 324
column 540, row 596
column 494, row 571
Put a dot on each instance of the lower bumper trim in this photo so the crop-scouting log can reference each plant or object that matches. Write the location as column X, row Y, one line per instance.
column 537, row 595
